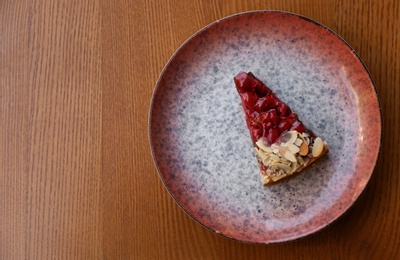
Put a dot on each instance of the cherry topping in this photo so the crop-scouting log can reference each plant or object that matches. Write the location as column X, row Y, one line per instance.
column 249, row 99
column 283, row 109
column 264, row 104
column 285, row 124
column 261, row 89
column 256, row 133
column 270, row 116
column 272, row 134
column 294, row 116
column 245, row 82
column 267, row 124
column 298, row 126
column 253, row 115
column 266, row 115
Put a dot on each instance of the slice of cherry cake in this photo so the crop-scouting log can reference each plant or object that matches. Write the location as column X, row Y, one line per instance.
column 283, row 145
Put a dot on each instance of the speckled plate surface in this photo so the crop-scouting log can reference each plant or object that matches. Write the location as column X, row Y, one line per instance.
column 202, row 148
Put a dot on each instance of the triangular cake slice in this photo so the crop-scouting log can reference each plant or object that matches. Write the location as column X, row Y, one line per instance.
column 283, row 145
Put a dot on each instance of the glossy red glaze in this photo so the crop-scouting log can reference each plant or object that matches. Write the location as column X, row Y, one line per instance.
column 285, row 124
column 264, row 109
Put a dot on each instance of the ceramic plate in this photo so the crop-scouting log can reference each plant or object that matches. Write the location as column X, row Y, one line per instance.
column 202, row 148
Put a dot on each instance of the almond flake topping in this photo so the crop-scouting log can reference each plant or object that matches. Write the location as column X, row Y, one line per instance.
column 294, row 151
column 317, row 147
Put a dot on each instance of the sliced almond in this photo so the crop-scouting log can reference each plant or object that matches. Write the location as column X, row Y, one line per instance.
column 275, row 158
column 282, row 150
column 272, row 167
column 284, row 144
column 284, row 160
column 293, row 148
column 263, row 144
column 260, row 154
column 298, row 142
column 300, row 159
column 288, row 163
column 317, row 147
column 288, row 155
column 303, row 147
column 266, row 161
column 268, row 150
column 270, row 171
column 294, row 166
column 289, row 137
column 281, row 166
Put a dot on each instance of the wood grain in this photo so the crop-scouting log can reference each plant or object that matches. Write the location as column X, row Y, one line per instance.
column 77, row 180
column 51, row 130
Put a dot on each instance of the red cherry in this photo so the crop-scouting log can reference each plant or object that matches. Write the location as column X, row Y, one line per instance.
column 263, row 104
column 261, row 89
column 294, row 116
column 244, row 82
column 270, row 116
column 283, row 109
column 249, row 99
column 267, row 124
column 272, row 135
column 256, row 133
column 276, row 100
column 253, row 122
column 298, row 126
column 251, row 113
column 285, row 124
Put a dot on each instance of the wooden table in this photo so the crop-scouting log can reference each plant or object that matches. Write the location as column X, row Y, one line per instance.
column 77, row 180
